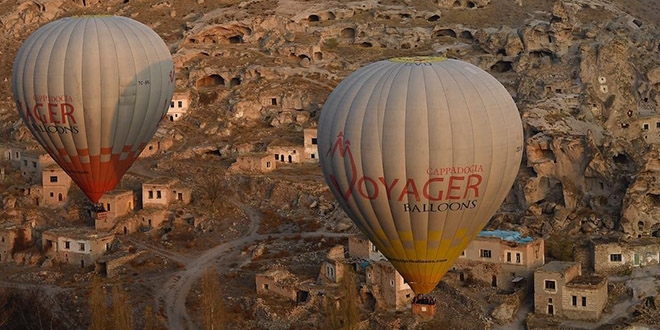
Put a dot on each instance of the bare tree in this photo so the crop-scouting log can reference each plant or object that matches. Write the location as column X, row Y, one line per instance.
column 149, row 321
column 98, row 306
column 344, row 312
column 213, row 309
column 121, row 309
column 6, row 308
column 32, row 310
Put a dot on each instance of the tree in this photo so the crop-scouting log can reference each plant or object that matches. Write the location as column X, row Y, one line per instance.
column 98, row 306
column 212, row 306
column 344, row 312
column 149, row 321
column 121, row 309
column 6, row 309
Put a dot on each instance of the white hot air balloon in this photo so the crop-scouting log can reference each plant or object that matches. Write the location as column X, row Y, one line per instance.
column 92, row 90
column 420, row 152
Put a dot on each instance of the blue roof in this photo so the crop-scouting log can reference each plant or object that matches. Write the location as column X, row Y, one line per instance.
column 507, row 235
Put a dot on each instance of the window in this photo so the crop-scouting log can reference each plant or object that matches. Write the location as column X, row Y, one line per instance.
column 3, row 239
column 330, row 272
column 52, row 194
column 657, row 124
column 151, row 194
column 508, row 257
column 53, row 178
column 67, row 244
column 265, row 286
column 550, row 285
column 517, row 258
column 574, row 301
column 107, row 206
column 646, row 127
column 81, row 246
column 158, row 196
column 314, row 141
column 616, row 257
column 584, row 301
column 463, row 253
column 267, row 164
column 180, row 104
column 172, row 104
column 34, row 164
column 484, row 253
column 273, row 101
column 373, row 248
column 391, row 282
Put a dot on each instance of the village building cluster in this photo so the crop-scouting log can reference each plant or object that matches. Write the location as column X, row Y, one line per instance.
column 504, row 260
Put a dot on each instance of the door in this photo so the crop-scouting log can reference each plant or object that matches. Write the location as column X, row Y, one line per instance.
column 551, row 310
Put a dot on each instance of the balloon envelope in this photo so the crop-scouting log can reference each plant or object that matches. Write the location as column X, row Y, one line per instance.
column 92, row 91
column 420, row 153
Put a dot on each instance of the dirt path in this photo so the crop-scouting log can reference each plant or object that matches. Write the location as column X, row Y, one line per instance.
column 172, row 297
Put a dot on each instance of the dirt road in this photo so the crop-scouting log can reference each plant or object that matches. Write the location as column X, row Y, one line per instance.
column 172, row 296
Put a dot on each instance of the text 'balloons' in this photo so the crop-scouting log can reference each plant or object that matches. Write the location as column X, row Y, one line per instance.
column 420, row 152
column 92, row 90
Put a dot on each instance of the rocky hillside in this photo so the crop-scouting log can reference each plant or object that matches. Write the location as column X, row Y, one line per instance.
column 584, row 74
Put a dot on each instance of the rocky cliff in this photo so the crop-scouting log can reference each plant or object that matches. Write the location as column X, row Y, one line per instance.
column 584, row 75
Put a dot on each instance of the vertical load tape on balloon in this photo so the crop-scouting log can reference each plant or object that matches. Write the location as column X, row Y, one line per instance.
column 420, row 152
column 92, row 90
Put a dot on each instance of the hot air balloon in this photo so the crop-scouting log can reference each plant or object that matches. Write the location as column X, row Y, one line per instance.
column 92, row 90
column 420, row 152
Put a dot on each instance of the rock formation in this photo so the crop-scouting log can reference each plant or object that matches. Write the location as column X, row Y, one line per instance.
column 584, row 75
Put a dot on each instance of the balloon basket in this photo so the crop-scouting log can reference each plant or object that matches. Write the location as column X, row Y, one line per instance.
column 424, row 306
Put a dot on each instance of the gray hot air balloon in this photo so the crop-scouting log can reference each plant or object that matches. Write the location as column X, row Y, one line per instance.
column 420, row 152
column 92, row 91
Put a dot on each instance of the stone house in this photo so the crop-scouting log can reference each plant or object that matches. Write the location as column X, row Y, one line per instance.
column 56, row 184
column 361, row 248
column 162, row 192
column 116, row 203
column 13, row 238
column 145, row 220
column 387, row 286
column 32, row 164
column 334, row 265
column 179, row 105
column 162, row 141
column 311, row 148
column 383, row 283
column 285, row 151
column 561, row 290
column 648, row 122
column 502, row 259
column 612, row 255
column 111, row 265
column 254, row 163
column 282, row 283
column 11, row 153
column 270, row 101
column 75, row 246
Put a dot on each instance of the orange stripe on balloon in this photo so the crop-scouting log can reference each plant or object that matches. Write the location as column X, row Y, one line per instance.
column 83, row 152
